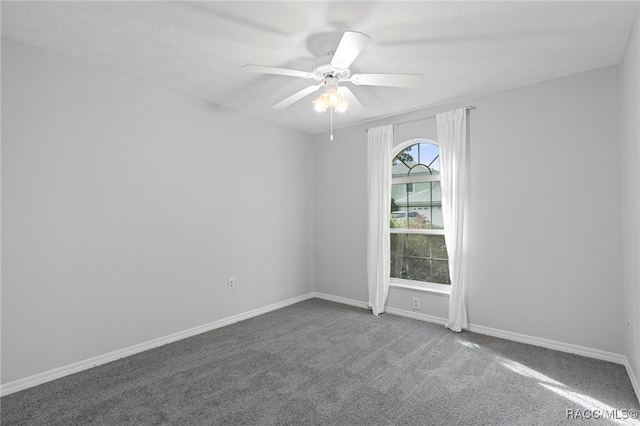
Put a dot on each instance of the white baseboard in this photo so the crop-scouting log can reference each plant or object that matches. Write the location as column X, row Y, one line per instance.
column 76, row 367
column 632, row 377
column 550, row 344
column 416, row 315
column 343, row 300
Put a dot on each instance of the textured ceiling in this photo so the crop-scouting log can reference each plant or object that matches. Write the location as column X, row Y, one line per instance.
column 198, row 48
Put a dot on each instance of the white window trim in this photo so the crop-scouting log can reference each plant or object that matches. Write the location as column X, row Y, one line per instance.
column 402, row 146
column 433, row 288
column 416, row 179
column 417, row 231
column 426, row 287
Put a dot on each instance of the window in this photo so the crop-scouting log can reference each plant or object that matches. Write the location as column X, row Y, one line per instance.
column 418, row 250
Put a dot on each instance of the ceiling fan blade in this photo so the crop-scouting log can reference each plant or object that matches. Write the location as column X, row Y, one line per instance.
column 297, row 96
column 280, row 71
column 391, row 80
column 354, row 107
column 350, row 46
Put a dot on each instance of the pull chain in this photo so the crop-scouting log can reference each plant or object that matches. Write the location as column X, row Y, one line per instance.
column 331, row 112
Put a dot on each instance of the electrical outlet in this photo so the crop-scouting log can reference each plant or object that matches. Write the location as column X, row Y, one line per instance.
column 629, row 324
column 231, row 283
column 416, row 303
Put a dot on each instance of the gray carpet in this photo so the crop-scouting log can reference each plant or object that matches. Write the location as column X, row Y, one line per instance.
column 322, row 363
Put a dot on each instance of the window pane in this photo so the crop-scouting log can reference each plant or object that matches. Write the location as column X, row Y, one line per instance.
column 438, row 247
column 412, row 206
column 435, row 166
column 414, row 152
column 402, row 163
column 418, row 245
column 397, row 244
column 440, row 271
column 399, row 169
column 397, row 254
column 419, row 257
column 418, row 159
column 418, row 205
column 396, row 266
column 398, row 191
column 436, row 194
column 417, row 269
column 436, row 218
column 419, row 170
column 428, row 152
column 429, row 156
column 398, row 206
column 436, row 210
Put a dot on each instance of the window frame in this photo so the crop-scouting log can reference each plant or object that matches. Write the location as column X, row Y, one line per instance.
column 428, row 287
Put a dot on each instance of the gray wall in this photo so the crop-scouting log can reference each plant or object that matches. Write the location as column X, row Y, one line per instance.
column 630, row 113
column 126, row 206
column 544, row 247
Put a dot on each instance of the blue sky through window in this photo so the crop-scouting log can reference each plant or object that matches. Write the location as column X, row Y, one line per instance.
column 425, row 153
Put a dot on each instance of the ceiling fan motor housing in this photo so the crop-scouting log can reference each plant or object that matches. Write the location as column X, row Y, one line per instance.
column 330, row 83
column 322, row 69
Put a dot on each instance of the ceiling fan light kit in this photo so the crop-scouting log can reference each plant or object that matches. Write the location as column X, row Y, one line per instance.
column 333, row 69
column 331, row 98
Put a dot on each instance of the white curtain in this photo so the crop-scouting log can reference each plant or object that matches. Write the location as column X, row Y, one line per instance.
column 379, row 148
column 452, row 139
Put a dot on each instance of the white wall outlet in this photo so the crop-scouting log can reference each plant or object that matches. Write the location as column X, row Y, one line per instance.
column 629, row 324
column 231, row 283
column 416, row 303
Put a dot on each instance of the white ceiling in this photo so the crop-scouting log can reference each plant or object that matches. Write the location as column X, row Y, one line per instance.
column 463, row 48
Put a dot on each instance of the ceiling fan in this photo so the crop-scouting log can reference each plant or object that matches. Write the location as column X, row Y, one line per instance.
column 332, row 70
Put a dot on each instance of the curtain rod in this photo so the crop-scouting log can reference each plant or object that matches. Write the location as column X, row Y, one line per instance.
column 421, row 118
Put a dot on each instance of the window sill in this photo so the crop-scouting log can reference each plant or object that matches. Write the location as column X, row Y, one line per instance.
column 438, row 289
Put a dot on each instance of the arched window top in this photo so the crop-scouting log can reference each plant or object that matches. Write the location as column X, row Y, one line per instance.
column 416, row 157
